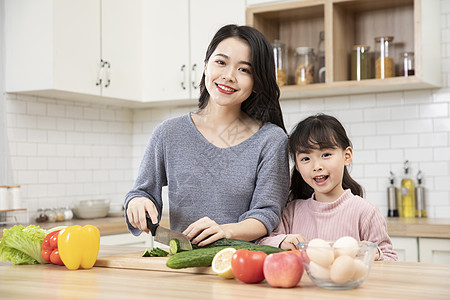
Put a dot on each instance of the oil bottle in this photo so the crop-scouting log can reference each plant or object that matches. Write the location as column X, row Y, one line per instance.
column 392, row 198
column 408, row 194
column 421, row 211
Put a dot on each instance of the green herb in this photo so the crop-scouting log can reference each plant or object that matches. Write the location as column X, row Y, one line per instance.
column 155, row 252
column 22, row 245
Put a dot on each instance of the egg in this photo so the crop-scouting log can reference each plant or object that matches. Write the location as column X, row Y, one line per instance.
column 342, row 269
column 319, row 272
column 320, row 252
column 345, row 246
column 360, row 269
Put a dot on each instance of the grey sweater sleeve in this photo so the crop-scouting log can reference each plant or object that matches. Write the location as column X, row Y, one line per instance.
column 151, row 177
column 272, row 185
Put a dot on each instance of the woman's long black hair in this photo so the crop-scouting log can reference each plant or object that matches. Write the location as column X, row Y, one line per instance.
column 318, row 132
column 263, row 104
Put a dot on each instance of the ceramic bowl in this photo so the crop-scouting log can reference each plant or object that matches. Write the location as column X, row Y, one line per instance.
column 91, row 209
column 337, row 275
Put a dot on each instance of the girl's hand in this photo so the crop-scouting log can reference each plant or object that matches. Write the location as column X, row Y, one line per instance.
column 291, row 241
column 204, row 232
column 137, row 210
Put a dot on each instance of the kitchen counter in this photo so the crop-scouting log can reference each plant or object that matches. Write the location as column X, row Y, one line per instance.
column 387, row 280
column 419, row 227
column 415, row 227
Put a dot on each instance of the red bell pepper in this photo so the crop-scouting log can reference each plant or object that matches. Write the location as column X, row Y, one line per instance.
column 50, row 251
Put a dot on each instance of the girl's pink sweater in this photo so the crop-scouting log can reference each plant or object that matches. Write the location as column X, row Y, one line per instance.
column 349, row 215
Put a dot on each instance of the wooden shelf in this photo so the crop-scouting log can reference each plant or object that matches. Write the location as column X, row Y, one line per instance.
column 413, row 23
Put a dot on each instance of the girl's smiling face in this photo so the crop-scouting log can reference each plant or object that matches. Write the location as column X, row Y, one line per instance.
column 228, row 73
column 323, row 169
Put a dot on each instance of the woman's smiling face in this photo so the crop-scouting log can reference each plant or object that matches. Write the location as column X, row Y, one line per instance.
column 228, row 73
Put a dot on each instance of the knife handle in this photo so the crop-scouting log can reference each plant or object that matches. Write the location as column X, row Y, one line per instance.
column 151, row 226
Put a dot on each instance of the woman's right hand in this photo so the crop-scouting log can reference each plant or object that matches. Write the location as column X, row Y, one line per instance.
column 137, row 210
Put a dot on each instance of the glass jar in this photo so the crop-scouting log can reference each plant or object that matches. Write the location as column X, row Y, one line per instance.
column 68, row 214
column 320, row 64
column 304, row 71
column 50, row 214
column 41, row 216
column 360, row 62
column 384, row 63
column 280, row 55
column 59, row 214
column 406, row 64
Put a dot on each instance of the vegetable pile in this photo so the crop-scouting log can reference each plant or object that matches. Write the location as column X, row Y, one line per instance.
column 74, row 246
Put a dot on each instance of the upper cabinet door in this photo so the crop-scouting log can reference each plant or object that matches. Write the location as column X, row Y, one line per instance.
column 206, row 17
column 121, row 42
column 52, row 45
column 166, row 50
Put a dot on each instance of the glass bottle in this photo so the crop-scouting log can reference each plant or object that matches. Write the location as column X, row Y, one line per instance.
column 360, row 62
column 68, row 214
column 320, row 74
column 280, row 55
column 407, row 64
column 384, row 63
column 304, row 71
column 408, row 195
column 50, row 214
column 421, row 211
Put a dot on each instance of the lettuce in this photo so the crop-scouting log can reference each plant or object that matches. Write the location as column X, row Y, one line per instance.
column 22, row 245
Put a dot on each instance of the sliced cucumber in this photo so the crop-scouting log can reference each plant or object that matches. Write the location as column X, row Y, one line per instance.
column 174, row 246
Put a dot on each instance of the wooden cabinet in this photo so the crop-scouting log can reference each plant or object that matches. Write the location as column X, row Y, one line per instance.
column 63, row 48
column 413, row 23
column 176, row 43
column 435, row 251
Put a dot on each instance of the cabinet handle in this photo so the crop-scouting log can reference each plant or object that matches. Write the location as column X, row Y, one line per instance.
column 194, row 81
column 183, row 73
column 108, row 82
column 100, row 73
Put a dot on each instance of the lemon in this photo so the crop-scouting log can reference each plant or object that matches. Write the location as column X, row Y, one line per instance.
column 221, row 264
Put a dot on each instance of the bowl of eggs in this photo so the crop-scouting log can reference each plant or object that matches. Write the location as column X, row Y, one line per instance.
column 341, row 264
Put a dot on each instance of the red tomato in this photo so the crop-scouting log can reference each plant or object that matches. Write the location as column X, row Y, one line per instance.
column 55, row 259
column 54, row 239
column 247, row 266
column 45, row 253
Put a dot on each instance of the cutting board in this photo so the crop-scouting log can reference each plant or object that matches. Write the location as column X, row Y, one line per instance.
column 136, row 261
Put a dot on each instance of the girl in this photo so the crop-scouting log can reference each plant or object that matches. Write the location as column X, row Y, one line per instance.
column 329, row 202
column 226, row 165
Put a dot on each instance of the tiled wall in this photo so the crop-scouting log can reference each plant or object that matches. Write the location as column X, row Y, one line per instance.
column 64, row 151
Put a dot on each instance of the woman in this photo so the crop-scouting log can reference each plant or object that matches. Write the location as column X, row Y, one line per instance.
column 226, row 165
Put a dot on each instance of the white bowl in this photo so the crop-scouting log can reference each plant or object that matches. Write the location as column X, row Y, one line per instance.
column 91, row 209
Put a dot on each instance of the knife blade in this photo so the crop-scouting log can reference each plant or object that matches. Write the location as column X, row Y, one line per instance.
column 163, row 235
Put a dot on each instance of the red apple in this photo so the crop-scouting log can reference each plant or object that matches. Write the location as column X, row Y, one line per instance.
column 283, row 269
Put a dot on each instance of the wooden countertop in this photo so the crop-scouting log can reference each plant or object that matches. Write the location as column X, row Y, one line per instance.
column 415, row 227
column 387, row 280
column 419, row 227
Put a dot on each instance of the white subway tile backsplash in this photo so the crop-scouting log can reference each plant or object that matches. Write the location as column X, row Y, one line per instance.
column 405, row 112
column 418, row 126
column 441, row 154
column 389, row 99
column 389, row 156
column 417, row 97
column 377, row 142
column 390, row 127
column 404, row 141
column 433, row 110
column 433, row 139
column 377, row 114
column 419, row 154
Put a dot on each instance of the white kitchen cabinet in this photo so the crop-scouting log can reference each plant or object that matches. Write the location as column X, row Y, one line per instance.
column 56, row 48
column 435, row 251
column 406, row 248
column 177, row 34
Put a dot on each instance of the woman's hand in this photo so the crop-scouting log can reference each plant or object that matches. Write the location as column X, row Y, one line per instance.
column 137, row 210
column 204, row 232
column 291, row 241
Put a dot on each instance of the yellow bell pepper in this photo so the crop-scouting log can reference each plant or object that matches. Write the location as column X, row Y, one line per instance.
column 78, row 246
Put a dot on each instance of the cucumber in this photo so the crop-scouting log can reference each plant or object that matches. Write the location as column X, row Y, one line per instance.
column 158, row 252
column 224, row 242
column 174, row 246
column 203, row 257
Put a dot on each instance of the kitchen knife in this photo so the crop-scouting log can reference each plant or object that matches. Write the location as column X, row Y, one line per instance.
column 163, row 235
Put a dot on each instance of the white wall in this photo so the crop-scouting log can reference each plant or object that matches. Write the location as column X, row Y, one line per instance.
column 64, row 151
